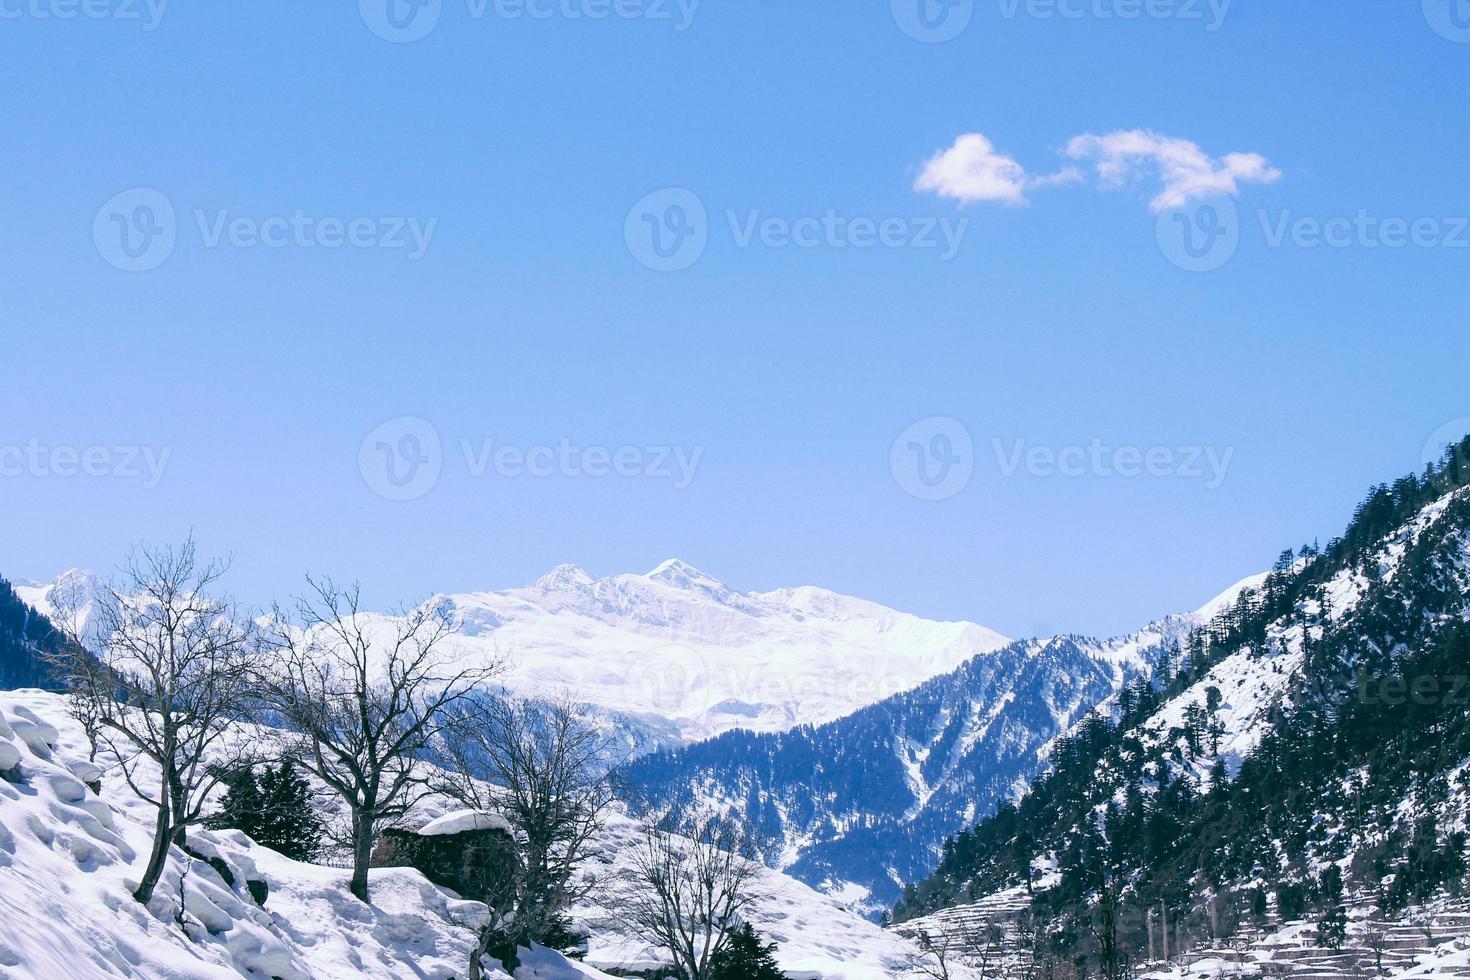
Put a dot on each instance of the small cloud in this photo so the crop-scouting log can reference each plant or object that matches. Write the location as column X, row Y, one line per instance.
column 972, row 170
column 1187, row 172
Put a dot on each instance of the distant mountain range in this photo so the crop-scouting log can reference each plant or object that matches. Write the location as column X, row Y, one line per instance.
column 680, row 654
column 861, row 805
column 853, row 737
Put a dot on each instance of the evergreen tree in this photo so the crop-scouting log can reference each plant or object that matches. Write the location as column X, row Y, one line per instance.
column 274, row 810
column 745, row 957
column 288, row 822
column 241, row 806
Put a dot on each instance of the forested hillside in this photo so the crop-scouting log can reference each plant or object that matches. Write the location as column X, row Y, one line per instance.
column 859, row 805
column 1312, row 743
column 25, row 635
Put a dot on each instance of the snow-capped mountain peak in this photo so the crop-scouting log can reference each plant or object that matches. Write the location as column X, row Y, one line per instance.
column 678, row 644
column 71, row 595
column 681, row 649
column 682, row 575
column 564, row 578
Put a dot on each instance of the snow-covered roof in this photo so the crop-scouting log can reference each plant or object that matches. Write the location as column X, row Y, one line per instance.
column 462, row 821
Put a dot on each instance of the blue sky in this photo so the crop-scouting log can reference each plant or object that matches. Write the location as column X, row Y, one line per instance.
column 519, row 147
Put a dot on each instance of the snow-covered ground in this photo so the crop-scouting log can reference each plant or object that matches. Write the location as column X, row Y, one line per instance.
column 676, row 644
column 70, row 857
column 816, row 938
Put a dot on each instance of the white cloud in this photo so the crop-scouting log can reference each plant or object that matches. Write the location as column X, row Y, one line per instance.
column 1187, row 172
column 973, row 170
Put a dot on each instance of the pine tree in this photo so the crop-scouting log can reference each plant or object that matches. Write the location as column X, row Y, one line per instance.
column 288, row 823
column 745, row 957
column 274, row 811
column 241, row 806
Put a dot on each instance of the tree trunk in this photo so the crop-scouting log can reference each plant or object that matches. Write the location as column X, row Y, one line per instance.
column 157, row 858
column 482, row 946
column 177, row 802
column 362, row 851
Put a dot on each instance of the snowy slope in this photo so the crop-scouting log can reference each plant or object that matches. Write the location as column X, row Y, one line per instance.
column 1293, row 664
column 679, row 648
column 1254, row 681
column 816, row 937
column 69, row 858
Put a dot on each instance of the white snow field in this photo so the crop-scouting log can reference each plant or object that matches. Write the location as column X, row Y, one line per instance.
column 70, row 857
column 678, row 646
column 816, row 937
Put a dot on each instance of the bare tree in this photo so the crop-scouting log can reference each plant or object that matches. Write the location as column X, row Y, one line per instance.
column 543, row 766
column 1376, row 939
column 688, row 891
column 972, row 952
column 168, row 676
column 362, row 697
column 937, row 956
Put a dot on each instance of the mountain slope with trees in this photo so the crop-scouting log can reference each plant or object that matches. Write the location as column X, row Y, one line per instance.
column 857, row 806
column 27, row 638
column 1313, row 743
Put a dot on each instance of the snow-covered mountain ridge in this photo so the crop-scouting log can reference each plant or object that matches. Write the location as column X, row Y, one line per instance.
column 1309, row 754
column 859, row 806
column 681, row 650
